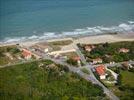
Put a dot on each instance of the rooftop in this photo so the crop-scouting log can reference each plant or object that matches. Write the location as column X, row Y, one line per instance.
column 26, row 53
column 100, row 70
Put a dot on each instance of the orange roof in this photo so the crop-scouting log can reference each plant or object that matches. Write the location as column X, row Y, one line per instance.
column 100, row 70
column 26, row 53
column 76, row 58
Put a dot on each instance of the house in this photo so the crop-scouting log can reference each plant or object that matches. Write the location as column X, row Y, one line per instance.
column 101, row 71
column 26, row 54
column 89, row 47
column 77, row 58
column 97, row 60
column 44, row 47
column 124, row 50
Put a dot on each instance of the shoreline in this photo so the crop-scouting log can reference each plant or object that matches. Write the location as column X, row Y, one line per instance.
column 85, row 39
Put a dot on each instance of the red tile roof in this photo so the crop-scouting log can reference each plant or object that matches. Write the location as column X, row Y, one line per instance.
column 76, row 58
column 100, row 70
column 26, row 53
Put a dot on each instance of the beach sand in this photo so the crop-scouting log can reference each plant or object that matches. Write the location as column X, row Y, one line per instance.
column 103, row 38
column 84, row 40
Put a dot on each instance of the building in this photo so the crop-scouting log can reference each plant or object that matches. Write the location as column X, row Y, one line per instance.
column 89, row 48
column 101, row 71
column 26, row 54
column 97, row 60
column 77, row 58
column 42, row 47
column 124, row 50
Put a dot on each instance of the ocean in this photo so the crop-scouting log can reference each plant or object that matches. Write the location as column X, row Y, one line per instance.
column 22, row 20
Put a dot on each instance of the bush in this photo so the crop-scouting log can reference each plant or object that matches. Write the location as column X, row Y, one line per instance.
column 72, row 62
column 28, row 81
column 119, row 80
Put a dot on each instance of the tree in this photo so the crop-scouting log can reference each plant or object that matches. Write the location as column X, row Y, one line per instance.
column 105, row 45
column 119, row 80
column 72, row 62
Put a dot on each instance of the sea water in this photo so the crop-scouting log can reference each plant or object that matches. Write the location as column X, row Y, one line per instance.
column 42, row 19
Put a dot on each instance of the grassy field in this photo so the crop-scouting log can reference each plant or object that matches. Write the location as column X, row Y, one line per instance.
column 61, row 43
column 45, row 80
column 127, row 78
column 56, row 45
column 125, row 90
column 84, row 70
column 70, row 54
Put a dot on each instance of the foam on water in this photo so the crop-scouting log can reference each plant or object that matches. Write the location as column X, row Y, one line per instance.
column 121, row 28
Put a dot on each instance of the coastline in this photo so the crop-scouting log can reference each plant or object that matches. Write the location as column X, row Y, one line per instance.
column 104, row 38
column 85, row 39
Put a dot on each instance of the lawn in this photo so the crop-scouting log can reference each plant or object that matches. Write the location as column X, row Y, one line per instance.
column 61, row 43
column 56, row 45
column 45, row 80
column 124, row 90
column 127, row 78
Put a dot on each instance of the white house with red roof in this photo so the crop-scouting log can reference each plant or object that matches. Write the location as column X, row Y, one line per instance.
column 26, row 54
column 77, row 58
column 101, row 71
column 124, row 50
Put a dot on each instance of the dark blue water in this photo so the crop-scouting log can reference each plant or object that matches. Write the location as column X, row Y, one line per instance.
column 26, row 18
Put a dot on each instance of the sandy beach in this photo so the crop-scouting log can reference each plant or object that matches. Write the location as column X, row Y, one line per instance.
column 84, row 39
column 103, row 38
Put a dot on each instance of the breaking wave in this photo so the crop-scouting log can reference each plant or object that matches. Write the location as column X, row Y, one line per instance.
column 122, row 28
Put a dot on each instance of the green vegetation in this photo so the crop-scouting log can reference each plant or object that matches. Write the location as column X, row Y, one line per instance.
column 70, row 54
column 12, row 52
column 44, row 80
column 61, row 43
column 12, row 49
column 4, row 60
column 85, row 70
column 110, row 52
column 56, row 45
column 72, row 62
column 127, row 78
column 109, row 76
column 125, row 86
